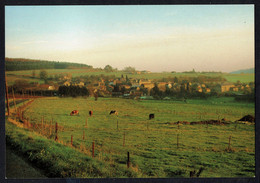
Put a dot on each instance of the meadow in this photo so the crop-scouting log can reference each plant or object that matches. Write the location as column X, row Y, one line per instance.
column 157, row 147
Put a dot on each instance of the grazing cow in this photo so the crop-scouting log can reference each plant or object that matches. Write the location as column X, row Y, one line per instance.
column 74, row 112
column 113, row 112
column 90, row 113
column 151, row 116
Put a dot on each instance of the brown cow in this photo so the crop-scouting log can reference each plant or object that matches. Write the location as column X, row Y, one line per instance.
column 74, row 112
column 90, row 113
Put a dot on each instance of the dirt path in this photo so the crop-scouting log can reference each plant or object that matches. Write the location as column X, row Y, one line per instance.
column 17, row 167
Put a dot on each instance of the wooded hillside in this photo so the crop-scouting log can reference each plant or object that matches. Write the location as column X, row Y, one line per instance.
column 15, row 64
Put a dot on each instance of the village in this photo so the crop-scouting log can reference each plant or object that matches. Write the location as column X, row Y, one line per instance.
column 130, row 87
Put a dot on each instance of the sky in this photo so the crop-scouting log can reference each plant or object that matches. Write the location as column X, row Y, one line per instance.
column 148, row 37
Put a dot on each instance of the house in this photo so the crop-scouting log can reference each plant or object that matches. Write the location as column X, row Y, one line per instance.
column 126, row 86
column 46, row 87
column 117, row 82
column 169, row 85
column 235, row 89
column 207, row 90
column 199, row 89
column 162, row 85
column 67, row 83
column 147, row 85
column 80, row 84
column 225, row 87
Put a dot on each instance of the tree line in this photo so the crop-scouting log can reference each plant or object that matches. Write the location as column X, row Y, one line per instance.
column 73, row 91
column 16, row 64
column 194, row 79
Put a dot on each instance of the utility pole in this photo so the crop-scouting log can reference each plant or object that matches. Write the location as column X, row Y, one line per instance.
column 6, row 95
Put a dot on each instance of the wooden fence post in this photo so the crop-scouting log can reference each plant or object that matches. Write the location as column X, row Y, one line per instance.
column 18, row 113
column 177, row 140
column 229, row 140
column 22, row 115
column 56, row 132
column 42, row 125
column 83, row 134
column 71, row 140
column 93, row 149
column 117, row 121
column 14, row 99
column 124, row 140
column 51, row 127
column 128, row 160
column 29, row 124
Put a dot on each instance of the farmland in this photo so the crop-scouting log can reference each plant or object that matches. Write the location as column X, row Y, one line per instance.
column 157, row 147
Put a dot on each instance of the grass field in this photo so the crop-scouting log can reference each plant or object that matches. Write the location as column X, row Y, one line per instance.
column 26, row 74
column 152, row 144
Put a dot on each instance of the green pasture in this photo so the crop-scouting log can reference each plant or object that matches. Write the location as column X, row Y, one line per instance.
column 244, row 78
column 152, row 144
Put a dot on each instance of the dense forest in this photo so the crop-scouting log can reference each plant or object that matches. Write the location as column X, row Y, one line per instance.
column 15, row 64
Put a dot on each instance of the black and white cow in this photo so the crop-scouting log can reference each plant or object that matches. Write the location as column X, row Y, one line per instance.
column 113, row 112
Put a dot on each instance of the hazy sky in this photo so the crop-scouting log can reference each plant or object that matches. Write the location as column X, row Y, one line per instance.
column 155, row 38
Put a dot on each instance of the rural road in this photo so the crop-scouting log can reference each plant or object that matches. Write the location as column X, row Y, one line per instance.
column 18, row 168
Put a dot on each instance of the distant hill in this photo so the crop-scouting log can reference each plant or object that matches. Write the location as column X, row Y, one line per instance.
column 16, row 64
column 245, row 71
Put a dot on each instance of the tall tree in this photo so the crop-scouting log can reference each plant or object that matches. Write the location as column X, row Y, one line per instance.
column 129, row 69
column 44, row 75
column 108, row 68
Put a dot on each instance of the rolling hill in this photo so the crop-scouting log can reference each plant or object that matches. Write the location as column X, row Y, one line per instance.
column 245, row 71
